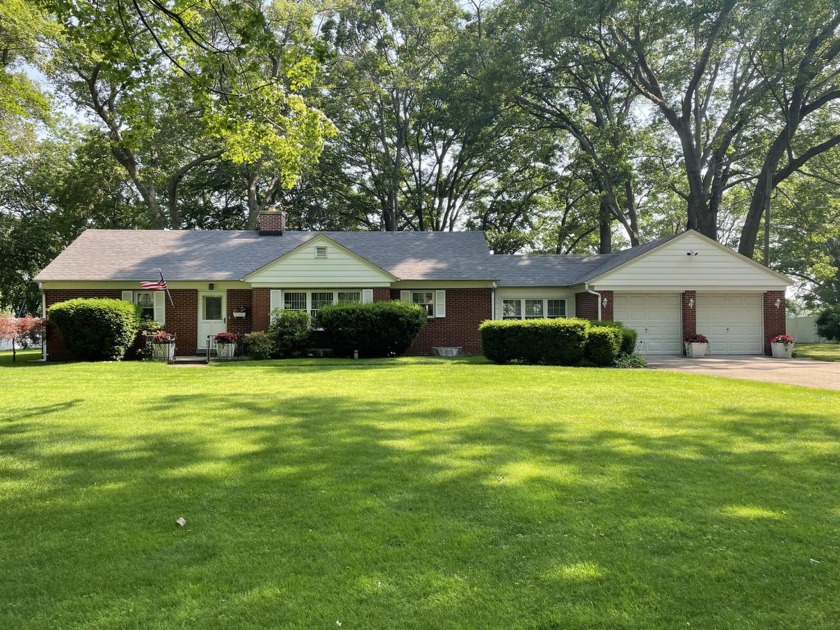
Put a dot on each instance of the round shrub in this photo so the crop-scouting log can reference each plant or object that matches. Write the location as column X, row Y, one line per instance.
column 259, row 345
column 379, row 329
column 828, row 323
column 291, row 333
column 96, row 329
column 603, row 345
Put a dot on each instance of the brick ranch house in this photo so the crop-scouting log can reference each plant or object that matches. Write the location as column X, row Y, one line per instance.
column 665, row 289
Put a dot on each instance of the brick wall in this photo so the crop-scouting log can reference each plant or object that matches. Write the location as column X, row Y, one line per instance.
column 465, row 310
column 239, row 298
column 260, row 303
column 586, row 306
column 182, row 319
column 55, row 344
column 689, row 314
column 382, row 294
column 774, row 318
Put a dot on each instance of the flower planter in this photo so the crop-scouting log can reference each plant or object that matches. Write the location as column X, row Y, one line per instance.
column 782, row 350
column 225, row 350
column 239, row 314
column 164, row 351
column 696, row 350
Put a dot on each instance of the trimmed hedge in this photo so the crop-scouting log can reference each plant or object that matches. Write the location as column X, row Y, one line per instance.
column 628, row 335
column 603, row 345
column 378, row 329
column 96, row 329
column 549, row 341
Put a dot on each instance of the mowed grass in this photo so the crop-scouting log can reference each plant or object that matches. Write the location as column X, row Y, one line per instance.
column 414, row 494
column 818, row 351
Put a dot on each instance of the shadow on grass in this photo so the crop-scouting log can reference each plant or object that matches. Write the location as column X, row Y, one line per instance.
column 305, row 510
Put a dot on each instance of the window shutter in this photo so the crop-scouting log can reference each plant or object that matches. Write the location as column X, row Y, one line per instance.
column 440, row 303
column 128, row 296
column 367, row 296
column 405, row 296
column 160, row 307
column 275, row 301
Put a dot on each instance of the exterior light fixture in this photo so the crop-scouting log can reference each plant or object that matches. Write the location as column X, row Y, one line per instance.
column 691, row 303
column 604, row 302
column 778, row 302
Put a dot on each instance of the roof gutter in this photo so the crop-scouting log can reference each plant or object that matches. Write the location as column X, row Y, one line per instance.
column 588, row 290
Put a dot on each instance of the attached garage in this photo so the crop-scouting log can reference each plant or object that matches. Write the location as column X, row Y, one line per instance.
column 656, row 317
column 731, row 321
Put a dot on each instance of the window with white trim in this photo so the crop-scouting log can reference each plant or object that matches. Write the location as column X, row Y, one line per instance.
column 313, row 301
column 152, row 304
column 533, row 308
column 426, row 299
column 145, row 301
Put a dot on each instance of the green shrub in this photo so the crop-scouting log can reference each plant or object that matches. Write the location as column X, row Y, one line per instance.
column 828, row 323
column 630, row 361
column 603, row 345
column 291, row 333
column 549, row 341
column 97, row 329
column 139, row 349
column 628, row 335
column 379, row 329
column 259, row 345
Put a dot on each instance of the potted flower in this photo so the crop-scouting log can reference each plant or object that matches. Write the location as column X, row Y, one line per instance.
column 782, row 346
column 696, row 346
column 163, row 346
column 225, row 345
column 240, row 312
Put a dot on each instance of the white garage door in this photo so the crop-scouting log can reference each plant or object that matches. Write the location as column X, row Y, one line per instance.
column 656, row 317
column 732, row 322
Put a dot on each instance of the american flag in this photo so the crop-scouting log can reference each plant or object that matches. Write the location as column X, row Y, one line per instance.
column 160, row 285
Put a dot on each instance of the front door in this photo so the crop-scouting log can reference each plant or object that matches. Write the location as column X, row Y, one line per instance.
column 211, row 316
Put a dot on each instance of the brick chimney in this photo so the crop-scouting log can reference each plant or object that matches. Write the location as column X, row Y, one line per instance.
column 271, row 222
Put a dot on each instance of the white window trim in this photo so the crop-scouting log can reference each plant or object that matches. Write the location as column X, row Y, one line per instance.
column 545, row 302
column 438, row 300
column 278, row 298
column 158, row 302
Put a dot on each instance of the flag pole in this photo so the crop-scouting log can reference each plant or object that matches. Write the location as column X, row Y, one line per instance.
column 167, row 287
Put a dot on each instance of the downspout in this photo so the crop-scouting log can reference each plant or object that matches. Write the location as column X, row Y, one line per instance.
column 588, row 290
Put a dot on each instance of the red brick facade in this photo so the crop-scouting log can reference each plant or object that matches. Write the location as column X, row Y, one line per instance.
column 261, row 304
column 382, row 294
column 689, row 314
column 774, row 317
column 182, row 319
column 586, row 306
column 239, row 298
column 465, row 310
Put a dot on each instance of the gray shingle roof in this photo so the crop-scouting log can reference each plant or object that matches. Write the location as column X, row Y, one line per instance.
column 554, row 270
column 100, row 255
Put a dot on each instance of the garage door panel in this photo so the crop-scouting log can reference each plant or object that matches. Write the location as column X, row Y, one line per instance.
column 732, row 322
column 655, row 317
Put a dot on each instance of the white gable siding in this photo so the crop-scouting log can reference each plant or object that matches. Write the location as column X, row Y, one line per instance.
column 669, row 268
column 302, row 268
column 534, row 293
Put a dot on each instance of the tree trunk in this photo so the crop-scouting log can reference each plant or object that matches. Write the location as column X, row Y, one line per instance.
column 605, row 225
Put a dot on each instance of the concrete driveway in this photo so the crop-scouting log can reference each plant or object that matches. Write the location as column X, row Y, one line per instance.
column 756, row 368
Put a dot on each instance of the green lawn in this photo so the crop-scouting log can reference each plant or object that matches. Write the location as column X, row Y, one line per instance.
column 818, row 351
column 414, row 494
